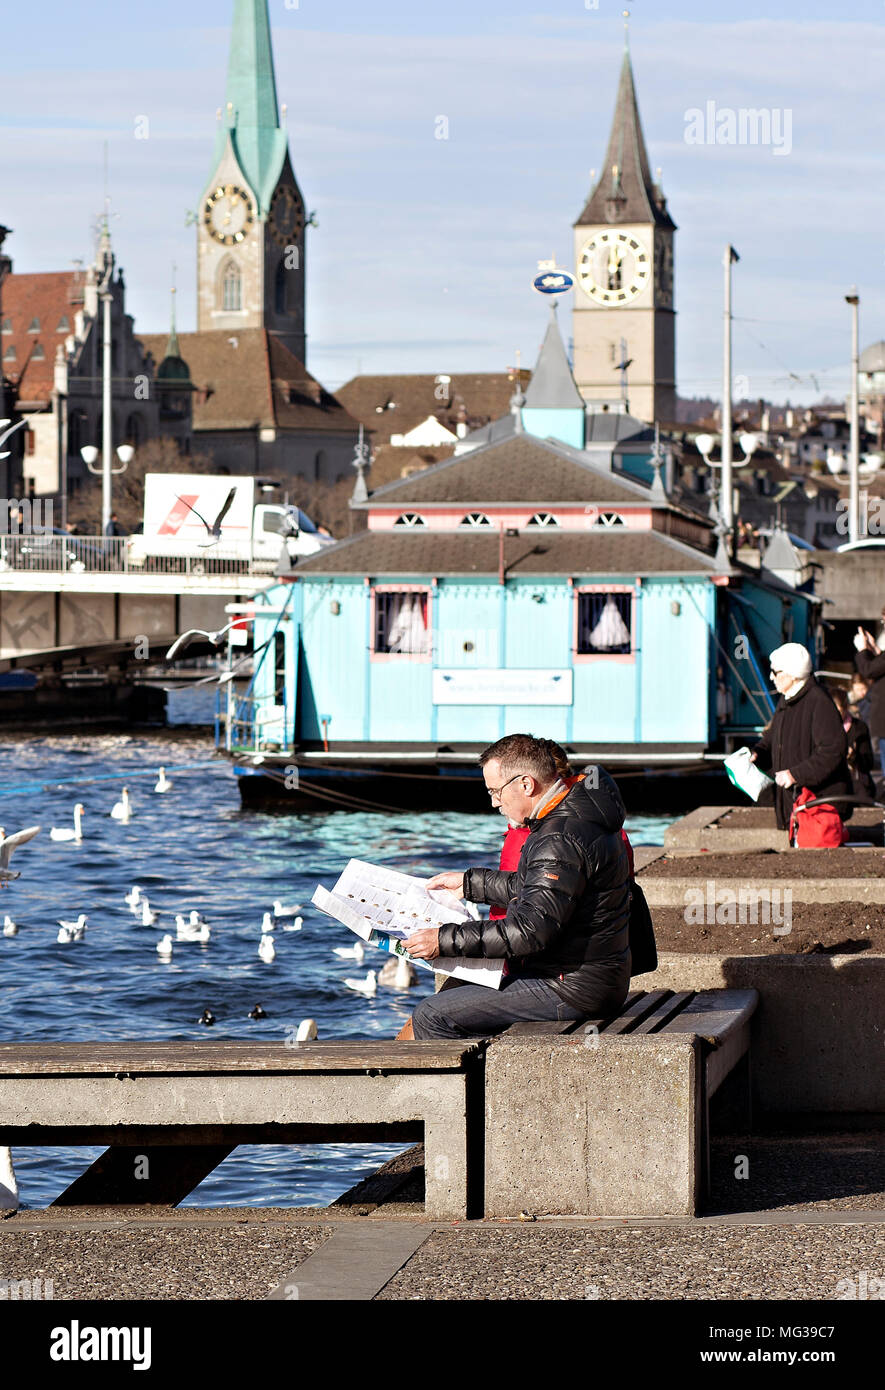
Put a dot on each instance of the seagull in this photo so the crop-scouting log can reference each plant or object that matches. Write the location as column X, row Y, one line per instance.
column 266, row 949
column 75, row 834
column 398, row 973
column 70, row 931
column 367, row 986
column 267, row 923
column 280, row 911
column 294, row 926
column 148, row 916
column 164, row 948
column 257, row 1012
column 162, row 783
column 307, row 1031
column 188, row 931
column 10, row 843
column 213, row 531
column 196, row 918
column 10, row 928
column 122, row 809
column 8, row 1184
column 357, row 952
column 214, row 637
column 79, row 925
column 207, row 1017
column 133, row 899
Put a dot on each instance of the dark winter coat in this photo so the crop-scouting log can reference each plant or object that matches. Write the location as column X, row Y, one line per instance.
column 872, row 668
column 806, row 737
column 860, row 759
column 568, row 902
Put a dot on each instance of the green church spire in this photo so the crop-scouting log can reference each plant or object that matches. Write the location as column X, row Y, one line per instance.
column 251, row 115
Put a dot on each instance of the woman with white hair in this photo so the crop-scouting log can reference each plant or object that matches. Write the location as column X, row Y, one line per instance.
column 805, row 744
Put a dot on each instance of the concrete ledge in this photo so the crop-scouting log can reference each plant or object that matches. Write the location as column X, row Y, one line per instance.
column 701, row 830
column 671, row 892
column 611, row 1130
column 819, row 1030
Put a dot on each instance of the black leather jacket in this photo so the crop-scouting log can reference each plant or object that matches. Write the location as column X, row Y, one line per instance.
column 568, row 902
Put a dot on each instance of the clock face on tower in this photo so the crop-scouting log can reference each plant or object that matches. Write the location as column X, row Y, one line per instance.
column 286, row 215
column 614, row 267
column 228, row 214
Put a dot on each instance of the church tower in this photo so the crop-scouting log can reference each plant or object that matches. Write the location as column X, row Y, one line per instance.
column 623, row 307
column 251, row 222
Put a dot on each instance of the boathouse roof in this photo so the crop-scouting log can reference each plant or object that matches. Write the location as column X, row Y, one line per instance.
column 633, row 553
column 519, row 468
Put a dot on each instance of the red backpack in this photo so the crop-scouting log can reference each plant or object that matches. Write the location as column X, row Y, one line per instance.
column 820, row 827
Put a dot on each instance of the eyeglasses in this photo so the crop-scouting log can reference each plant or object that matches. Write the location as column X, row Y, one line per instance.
column 495, row 792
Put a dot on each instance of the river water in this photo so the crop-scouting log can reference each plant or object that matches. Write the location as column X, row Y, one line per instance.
column 195, row 848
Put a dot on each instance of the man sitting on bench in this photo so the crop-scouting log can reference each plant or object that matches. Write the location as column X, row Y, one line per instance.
column 565, row 934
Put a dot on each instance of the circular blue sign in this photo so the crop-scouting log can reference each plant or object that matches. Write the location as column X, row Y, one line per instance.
column 553, row 282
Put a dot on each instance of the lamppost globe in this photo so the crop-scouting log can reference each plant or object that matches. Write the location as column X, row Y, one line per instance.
column 704, row 444
column 125, row 453
column 89, row 454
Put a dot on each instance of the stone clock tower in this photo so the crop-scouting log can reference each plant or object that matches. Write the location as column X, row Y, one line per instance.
column 251, row 219
column 624, row 269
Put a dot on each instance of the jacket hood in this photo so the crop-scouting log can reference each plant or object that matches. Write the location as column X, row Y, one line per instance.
column 601, row 790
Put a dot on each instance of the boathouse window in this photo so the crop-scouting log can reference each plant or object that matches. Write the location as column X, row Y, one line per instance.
column 475, row 519
column 609, row 519
column 605, row 623
column 409, row 519
column 401, row 626
column 543, row 519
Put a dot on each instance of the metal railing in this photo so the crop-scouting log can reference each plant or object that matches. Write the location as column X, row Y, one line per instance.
column 59, row 554
column 244, row 724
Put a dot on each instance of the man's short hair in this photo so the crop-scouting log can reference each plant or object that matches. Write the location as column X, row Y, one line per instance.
column 540, row 758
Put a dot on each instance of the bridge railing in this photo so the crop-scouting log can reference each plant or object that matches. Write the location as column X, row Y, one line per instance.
column 53, row 553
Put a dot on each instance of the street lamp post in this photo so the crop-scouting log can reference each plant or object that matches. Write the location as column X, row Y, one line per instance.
column 726, row 503
column 705, row 444
column 854, row 462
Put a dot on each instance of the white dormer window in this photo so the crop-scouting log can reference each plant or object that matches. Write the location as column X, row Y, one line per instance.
column 543, row 519
column 475, row 519
column 409, row 520
column 609, row 519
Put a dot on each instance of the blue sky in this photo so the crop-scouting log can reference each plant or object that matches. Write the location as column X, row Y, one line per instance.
column 425, row 248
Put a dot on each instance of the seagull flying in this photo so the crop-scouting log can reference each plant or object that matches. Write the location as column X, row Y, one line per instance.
column 213, row 531
column 8, row 844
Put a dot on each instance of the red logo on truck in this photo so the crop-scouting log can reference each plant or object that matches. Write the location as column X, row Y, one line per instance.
column 178, row 515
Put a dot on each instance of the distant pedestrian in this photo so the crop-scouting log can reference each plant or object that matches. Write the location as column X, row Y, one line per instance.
column 859, row 698
column 870, row 662
column 804, row 746
column 860, row 750
column 113, row 527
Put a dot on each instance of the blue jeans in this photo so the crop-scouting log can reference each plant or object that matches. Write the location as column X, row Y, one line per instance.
column 475, row 1011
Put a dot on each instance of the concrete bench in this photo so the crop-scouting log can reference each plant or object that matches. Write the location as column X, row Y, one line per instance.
column 610, row 1117
column 172, row 1111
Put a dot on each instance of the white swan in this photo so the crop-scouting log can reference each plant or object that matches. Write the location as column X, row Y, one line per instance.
column 8, row 1184
column 8, row 844
column 122, row 809
column 148, row 916
column 307, row 1031
column 280, row 911
column 10, row 928
column 294, row 926
column 367, row 986
column 357, row 952
column 164, row 948
column 266, row 949
column 75, row 834
column 188, row 931
column 163, row 784
column 133, row 899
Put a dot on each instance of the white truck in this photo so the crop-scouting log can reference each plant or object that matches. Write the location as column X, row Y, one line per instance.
column 209, row 517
